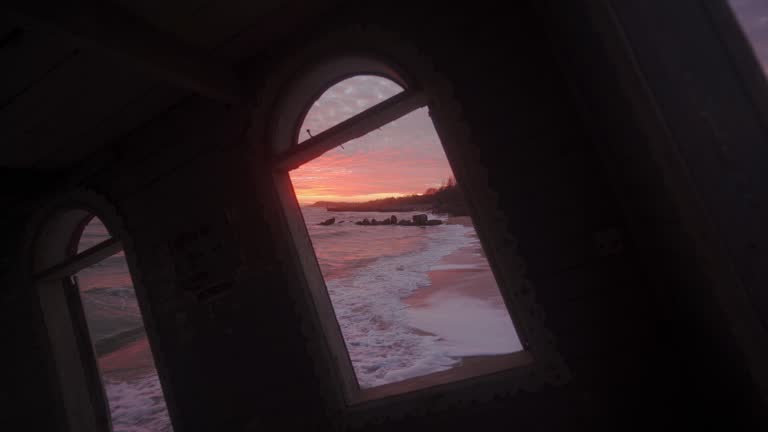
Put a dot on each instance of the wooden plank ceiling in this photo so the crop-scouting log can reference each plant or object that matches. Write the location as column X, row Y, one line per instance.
column 74, row 79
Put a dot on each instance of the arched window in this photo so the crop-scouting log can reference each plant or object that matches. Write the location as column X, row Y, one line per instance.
column 386, row 236
column 96, row 328
column 344, row 100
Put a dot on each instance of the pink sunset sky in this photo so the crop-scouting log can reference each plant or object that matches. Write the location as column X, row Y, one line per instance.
column 404, row 157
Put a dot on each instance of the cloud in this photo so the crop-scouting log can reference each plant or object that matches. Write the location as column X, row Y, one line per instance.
column 344, row 100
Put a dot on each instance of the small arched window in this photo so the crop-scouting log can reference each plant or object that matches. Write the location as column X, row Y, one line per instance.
column 96, row 328
column 404, row 286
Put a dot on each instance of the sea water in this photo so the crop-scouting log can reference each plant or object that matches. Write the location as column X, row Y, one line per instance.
column 370, row 271
column 116, row 328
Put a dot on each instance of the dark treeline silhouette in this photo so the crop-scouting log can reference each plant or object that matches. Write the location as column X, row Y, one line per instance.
column 445, row 199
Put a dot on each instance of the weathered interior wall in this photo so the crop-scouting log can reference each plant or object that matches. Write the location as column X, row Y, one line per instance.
column 655, row 157
column 557, row 202
column 28, row 393
column 192, row 208
column 201, row 220
column 226, row 328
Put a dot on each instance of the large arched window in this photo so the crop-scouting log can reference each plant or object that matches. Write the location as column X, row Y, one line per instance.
column 409, row 297
column 96, row 328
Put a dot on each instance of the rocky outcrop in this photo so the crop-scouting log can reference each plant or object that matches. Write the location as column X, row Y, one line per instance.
column 416, row 220
column 330, row 221
column 420, row 219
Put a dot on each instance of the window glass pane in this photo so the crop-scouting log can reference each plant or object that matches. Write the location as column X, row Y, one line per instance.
column 94, row 233
column 116, row 329
column 411, row 299
column 753, row 17
column 344, row 100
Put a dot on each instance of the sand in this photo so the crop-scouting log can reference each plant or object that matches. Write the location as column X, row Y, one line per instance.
column 477, row 282
column 472, row 279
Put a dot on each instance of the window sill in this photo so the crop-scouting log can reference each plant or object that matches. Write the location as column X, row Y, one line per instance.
column 471, row 367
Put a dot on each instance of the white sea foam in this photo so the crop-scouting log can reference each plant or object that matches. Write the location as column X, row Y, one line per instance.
column 369, row 271
column 109, row 301
column 374, row 320
column 137, row 405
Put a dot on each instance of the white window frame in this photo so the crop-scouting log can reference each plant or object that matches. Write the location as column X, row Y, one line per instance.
column 55, row 261
column 299, row 83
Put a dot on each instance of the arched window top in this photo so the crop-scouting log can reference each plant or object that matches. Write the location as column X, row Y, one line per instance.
column 314, row 82
column 93, row 233
column 59, row 239
column 344, row 100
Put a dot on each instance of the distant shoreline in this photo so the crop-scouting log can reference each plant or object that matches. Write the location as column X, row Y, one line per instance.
column 447, row 199
column 371, row 206
column 378, row 210
column 447, row 210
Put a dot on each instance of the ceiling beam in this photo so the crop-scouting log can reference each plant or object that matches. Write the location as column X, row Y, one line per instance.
column 107, row 29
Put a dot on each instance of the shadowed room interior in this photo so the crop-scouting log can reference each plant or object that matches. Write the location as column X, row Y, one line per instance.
column 174, row 177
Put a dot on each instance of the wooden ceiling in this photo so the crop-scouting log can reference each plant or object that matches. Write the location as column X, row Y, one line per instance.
column 77, row 75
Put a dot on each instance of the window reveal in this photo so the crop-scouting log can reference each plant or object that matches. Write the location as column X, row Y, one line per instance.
column 102, row 301
column 410, row 287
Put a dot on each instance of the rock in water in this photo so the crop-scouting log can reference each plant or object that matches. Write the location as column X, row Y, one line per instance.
column 330, row 221
column 420, row 219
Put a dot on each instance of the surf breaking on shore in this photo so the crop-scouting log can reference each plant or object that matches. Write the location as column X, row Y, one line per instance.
column 426, row 303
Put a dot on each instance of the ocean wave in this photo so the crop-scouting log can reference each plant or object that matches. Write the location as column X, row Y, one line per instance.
column 110, row 311
column 114, row 291
column 383, row 347
column 368, row 272
column 112, row 342
column 137, row 405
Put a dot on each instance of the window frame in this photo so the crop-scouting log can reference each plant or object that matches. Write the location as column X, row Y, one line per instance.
column 53, row 262
column 286, row 108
